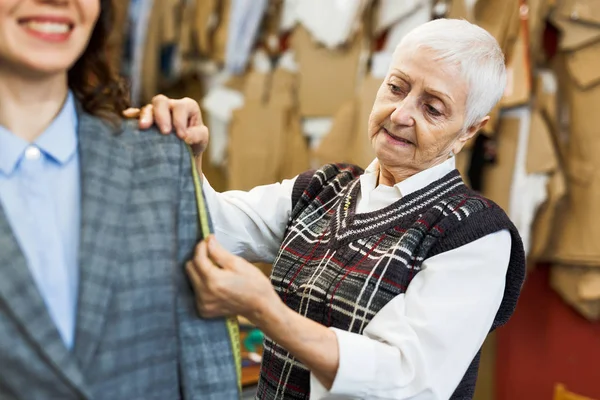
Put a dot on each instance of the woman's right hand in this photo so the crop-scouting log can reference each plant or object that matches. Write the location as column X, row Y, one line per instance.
column 182, row 115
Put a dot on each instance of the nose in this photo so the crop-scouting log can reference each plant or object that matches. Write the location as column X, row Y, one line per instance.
column 403, row 113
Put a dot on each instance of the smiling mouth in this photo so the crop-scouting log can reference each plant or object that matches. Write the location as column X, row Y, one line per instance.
column 49, row 26
column 396, row 138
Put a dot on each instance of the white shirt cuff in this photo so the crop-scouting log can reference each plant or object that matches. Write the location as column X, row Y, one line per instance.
column 350, row 382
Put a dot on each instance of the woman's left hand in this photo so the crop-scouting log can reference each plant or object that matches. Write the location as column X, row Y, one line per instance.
column 227, row 285
column 180, row 115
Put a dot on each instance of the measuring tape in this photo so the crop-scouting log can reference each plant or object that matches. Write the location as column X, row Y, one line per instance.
column 232, row 323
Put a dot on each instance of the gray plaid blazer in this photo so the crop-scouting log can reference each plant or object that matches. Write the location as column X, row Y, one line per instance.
column 137, row 332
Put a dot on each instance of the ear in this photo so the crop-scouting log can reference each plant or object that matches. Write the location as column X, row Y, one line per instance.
column 468, row 134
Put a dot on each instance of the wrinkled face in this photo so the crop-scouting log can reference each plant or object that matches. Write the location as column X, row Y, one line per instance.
column 42, row 37
column 419, row 112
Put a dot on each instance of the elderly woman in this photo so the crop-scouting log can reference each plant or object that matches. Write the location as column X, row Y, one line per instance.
column 386, row 281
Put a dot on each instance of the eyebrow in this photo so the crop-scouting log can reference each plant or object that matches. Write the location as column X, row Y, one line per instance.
column 438, row 94
column 402, row 75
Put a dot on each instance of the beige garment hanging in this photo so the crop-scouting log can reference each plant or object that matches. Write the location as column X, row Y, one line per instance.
column 220, row 35
column 574, row 35
column 543, row 158
column 362, row 149
column 348, row 140
column 539, row 11
column 458, row 9
column 501, row 19
column 322, row 91
column 336, row 146
column 254, row 142
column 265, row 142
column 205, row 22
column 117, row 34
column 294, row 157
column 518, row 88
column 584, row 11
column 497, row 178
column 579, row 287
column 162, row 30
column 580, row 227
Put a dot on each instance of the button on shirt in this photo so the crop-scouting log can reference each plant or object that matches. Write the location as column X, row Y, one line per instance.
column 40, row 196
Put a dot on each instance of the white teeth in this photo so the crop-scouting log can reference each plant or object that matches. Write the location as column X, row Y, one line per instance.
column 48, row 27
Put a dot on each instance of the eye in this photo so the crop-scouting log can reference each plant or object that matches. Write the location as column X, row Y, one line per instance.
column 432, row 110
column 394, row 89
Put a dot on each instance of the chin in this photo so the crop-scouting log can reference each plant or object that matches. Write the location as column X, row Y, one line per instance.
column 381, row 145
column 42, row 66
column 386, row 155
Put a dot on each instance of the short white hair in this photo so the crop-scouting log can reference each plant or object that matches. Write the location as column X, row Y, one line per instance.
column 475, row 51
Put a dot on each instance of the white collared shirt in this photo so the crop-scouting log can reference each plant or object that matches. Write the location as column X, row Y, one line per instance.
column 40, row 194
column 375, row 197
column 421, row 343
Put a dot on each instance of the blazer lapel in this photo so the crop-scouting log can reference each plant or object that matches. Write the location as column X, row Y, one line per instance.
column 105, row 179
column 26, row 305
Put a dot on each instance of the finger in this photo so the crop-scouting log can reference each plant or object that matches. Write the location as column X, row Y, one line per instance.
column 210, row 311
column 221, row 257
column 196, row 136
column 131, row 112
column 180, row 118
column 205, row 308
column 197, row 283
column 202, row 263
column 146, row 117
column 194, row 113
column 162, row 113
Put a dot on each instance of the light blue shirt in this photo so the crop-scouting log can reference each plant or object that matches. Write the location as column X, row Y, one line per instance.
column 40, row 195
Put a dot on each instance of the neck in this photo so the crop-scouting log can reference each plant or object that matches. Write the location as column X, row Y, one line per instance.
column 28, row 106
column 390, row 176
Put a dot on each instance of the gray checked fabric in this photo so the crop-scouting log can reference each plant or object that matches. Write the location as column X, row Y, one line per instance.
column 138, row 335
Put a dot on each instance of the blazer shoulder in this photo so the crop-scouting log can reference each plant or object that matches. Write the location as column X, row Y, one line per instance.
column 130, row 133
column 151, row 144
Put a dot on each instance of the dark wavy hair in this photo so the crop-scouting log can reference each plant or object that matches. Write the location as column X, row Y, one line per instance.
column 94, row 81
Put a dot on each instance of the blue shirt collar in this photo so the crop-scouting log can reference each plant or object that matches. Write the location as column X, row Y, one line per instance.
column 58, row 141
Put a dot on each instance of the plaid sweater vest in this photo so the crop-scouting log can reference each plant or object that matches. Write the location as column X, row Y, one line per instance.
column 340, row 268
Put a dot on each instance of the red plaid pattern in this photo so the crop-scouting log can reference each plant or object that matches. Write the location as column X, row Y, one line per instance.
column 340, row 268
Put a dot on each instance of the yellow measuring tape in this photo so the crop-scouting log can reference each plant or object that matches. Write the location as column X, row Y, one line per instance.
column 232, row 323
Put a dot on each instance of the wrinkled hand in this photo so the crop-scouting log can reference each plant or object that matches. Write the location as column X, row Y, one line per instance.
column 227, row 285
column 182, row 115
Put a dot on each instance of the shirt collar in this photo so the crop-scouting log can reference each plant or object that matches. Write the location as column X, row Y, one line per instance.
column 58, row 141
column 11, row 149
column 418, row 181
